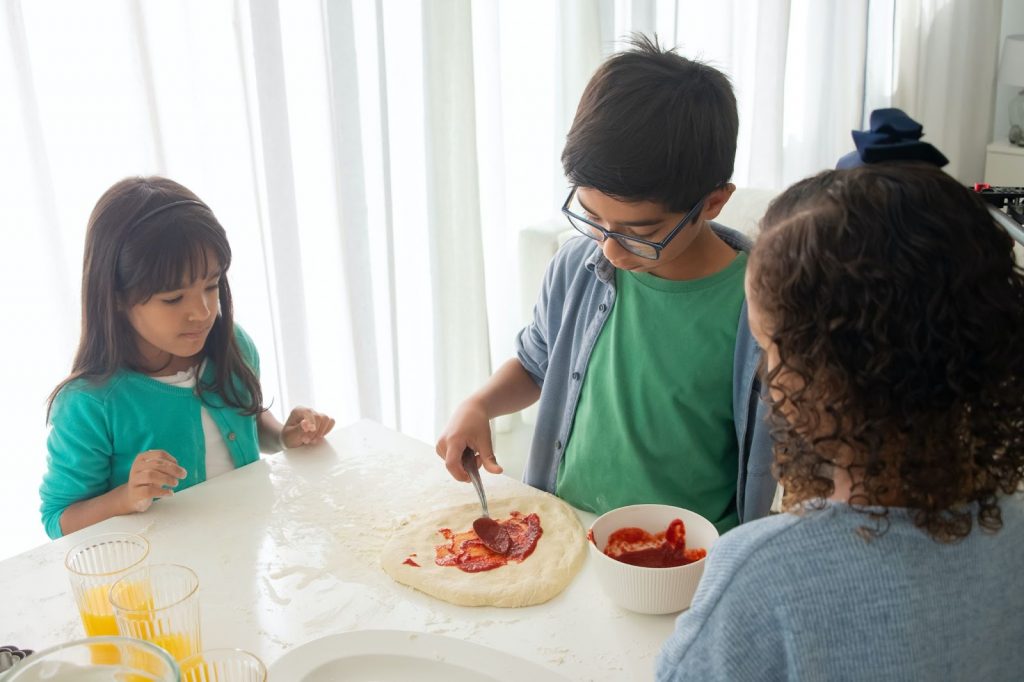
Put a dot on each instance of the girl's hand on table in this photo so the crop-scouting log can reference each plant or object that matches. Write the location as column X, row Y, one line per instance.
column 153, row 474
column 305, row 427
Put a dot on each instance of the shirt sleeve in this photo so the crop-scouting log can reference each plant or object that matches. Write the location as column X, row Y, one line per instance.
column 532, row 340
column 79, row 459
column 731, row 631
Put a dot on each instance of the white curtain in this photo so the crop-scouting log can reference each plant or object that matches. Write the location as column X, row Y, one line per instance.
column 374, row 160
column 947, row 53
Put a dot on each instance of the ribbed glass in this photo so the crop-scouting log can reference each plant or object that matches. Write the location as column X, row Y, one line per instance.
column 160, row 604
column 93, row 567
column 223, row 665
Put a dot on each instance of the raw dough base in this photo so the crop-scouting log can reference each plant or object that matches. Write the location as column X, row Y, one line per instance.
column 542, row 575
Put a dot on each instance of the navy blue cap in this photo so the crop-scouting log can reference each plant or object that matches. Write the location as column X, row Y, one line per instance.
column 893, row 136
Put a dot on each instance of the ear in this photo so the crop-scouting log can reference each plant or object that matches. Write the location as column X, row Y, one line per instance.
column 716, row 201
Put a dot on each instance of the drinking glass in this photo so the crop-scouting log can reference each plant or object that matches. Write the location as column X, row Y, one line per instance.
column 124, row 660
column 223, row 665
column 93, row 566
column 160, row 604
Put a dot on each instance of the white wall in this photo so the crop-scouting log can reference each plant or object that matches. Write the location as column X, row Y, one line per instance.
column 1012, row 23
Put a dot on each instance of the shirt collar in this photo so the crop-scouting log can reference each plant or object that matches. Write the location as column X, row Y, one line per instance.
column 605, row 271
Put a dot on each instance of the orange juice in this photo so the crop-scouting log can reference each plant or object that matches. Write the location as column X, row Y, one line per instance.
column 97, row 621
column 194, row 668
column 145, row 624
column 97, row 625
column 104, row 654
column 136, row 596
column 97, row 614
column 158, row 604
column 178, row 645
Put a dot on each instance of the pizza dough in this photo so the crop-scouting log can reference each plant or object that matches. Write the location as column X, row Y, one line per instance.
column 542, row 575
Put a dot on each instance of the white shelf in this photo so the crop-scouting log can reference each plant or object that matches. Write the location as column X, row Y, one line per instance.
column 1004, row 147
column 1004, row 164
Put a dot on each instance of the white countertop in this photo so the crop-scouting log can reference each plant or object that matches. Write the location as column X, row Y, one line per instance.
column 287, row 550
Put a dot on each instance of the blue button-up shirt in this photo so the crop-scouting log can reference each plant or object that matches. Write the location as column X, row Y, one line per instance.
column 575, row 301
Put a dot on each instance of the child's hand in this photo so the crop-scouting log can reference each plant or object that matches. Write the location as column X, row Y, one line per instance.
column 151, row 471
column 469, row 428
column 305, row 427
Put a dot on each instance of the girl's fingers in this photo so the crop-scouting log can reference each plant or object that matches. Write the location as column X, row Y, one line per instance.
column 152, row 477
column 307, row 426
column 324, row 426
column 156, row 456
column 165, row 467
column 169, row 468
column 145, row 491
column 299, row 415
column 157, row 460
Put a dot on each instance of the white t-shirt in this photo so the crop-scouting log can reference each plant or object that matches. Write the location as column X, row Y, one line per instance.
column 218, row 459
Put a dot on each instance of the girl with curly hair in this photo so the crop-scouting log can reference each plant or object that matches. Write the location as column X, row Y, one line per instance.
column 891, row 313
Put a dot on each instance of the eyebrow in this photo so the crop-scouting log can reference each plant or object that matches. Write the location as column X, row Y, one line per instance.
column 629, row 223
column 215, row 275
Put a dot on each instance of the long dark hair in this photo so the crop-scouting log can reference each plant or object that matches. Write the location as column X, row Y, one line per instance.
column 897, row 312
column 127, row 260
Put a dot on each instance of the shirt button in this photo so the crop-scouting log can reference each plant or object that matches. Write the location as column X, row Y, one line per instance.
column 232, row 436
column 576, row 376
column 602, row 307
column 558, row 445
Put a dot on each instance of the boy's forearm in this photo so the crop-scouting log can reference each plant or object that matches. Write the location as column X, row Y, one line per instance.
column 509, row 390
column 87, row 512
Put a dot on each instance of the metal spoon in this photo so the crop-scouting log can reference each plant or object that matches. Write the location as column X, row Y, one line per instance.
column 490, row 532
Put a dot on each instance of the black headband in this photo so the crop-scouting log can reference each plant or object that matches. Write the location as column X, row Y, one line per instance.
column 147, row 216
column 161, row 209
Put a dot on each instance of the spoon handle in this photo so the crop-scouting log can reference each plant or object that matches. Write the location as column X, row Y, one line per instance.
column 471, row 466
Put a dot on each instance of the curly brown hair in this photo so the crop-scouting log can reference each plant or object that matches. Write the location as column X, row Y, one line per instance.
column 896, row 312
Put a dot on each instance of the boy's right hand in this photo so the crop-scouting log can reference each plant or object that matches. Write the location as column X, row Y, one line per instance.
column 151, row 471
column 469, row 427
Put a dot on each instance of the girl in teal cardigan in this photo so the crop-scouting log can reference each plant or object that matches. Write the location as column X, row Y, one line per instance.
column 164, row 390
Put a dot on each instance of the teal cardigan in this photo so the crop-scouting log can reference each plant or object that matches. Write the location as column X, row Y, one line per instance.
column 99, row 429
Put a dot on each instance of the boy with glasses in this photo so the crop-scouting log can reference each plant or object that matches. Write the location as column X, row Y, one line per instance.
column 640, row 352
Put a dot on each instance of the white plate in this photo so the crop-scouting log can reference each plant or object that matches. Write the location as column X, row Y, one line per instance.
column 385, row 655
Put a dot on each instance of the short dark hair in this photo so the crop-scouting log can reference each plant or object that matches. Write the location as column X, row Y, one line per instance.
column 897, row 310
column 653, row 125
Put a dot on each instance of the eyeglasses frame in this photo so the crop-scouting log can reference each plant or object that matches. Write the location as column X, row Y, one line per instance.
column 617, row 236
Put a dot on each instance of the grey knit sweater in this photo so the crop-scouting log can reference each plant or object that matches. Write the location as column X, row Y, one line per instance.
column 807, row 598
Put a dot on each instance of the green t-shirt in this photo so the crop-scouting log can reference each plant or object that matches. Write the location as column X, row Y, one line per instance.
column 654, row 423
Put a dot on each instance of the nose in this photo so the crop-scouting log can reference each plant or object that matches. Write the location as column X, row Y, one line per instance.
column 199, row 311
column 613, row 250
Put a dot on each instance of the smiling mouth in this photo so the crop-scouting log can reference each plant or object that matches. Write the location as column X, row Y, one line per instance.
column 196, row 334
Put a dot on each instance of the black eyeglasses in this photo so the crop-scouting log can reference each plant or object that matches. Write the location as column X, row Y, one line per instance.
column 635, row 245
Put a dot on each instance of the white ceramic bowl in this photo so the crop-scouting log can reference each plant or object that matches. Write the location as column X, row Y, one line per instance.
column 650, row 590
